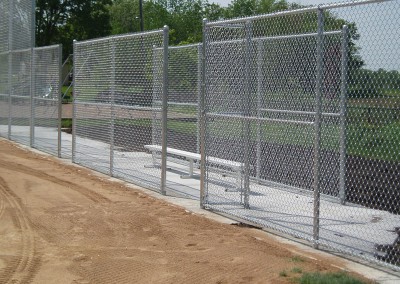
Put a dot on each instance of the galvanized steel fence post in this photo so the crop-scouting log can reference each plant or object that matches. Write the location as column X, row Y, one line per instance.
column 164, row 112
column 202, row 122
column 10, row 55
column 199, row 93
column 317, row 121
column 32, row 75
column 259, row 106
column 32, row 100
column 112, row 118
column 73, row 146
column 60, row 97
column 343, row 113
column 247, row 114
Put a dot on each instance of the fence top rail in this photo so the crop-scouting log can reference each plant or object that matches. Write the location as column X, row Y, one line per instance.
column 271, row 38
column 199, row 44
column 186, row 45
column 30, row 49
column 18, row 50
column 116, row 106
column 131, row 35
column 287, row 111
column 48, row 47
column 226, row 23
column 254, row 118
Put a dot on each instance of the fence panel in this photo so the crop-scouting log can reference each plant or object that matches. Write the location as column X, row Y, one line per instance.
column 306, row 125
column 259, row 116
column 46, row 103
column 183, row 132
column 20, row 98
column 4, row 94
column 22, row 24
column 16, row 37
column 91, row 121
column 4, row 25
column 367, row 226
column 114, row 100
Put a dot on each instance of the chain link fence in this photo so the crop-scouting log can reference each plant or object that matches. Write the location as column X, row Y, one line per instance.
column 119, row 83
column 301, row 125
column 46, row 103
column 29, row 81
column 30, row 111
column 183, row 128
column 298, row 124
column 16, row 37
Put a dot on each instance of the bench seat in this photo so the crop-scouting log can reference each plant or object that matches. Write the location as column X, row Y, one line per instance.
column 236, row 167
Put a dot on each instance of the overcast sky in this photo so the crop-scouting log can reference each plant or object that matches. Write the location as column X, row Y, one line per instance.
column 378, row 25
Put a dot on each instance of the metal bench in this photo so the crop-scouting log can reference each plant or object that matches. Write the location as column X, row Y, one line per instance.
column 191, row 157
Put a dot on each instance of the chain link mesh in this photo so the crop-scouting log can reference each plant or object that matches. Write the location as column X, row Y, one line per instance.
column 16, row 39
column 46, row 99
column 4, row 93
column 312, row 128
column 116, row 89
column 183, row 129
column 20, row 98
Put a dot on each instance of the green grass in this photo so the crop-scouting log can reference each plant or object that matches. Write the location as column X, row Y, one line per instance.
column 184, row 127
column 283, row 273
column 68, row 96
column 297, row 270
column 328, row 278
column 297, row 258
column 66, row 122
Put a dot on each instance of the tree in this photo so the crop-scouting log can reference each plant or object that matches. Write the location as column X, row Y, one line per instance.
column 184, row 17
column 124, row 16
column 62, row 21
column 50, row 14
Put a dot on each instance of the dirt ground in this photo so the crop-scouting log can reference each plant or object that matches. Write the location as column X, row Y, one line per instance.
column 64, row 224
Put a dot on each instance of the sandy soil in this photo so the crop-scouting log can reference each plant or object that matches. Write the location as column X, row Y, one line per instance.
column 64, row 224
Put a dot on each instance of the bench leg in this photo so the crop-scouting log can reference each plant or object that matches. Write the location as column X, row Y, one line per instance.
column 239, row 180
column 155, row 163
column 190, row 175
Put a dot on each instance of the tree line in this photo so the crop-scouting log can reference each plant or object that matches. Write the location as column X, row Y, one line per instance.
column 62, row 21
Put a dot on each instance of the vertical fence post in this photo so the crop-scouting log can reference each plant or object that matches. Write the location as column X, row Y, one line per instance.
column 199, row 91
column 33, row 23
column 74, row 103
column 10, row 69
column 112, row 95
column 154, row 114
column 247, row 122
column 343, row 114
column 32, row 100
column 164, row 129
column 317, row 122
column 60, row 96
column 202, row 112
column 259, row 105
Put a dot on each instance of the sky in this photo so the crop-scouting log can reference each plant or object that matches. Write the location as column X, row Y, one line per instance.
column 378, row 26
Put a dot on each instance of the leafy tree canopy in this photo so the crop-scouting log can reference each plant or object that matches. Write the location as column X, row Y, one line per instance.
column 61, row 21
